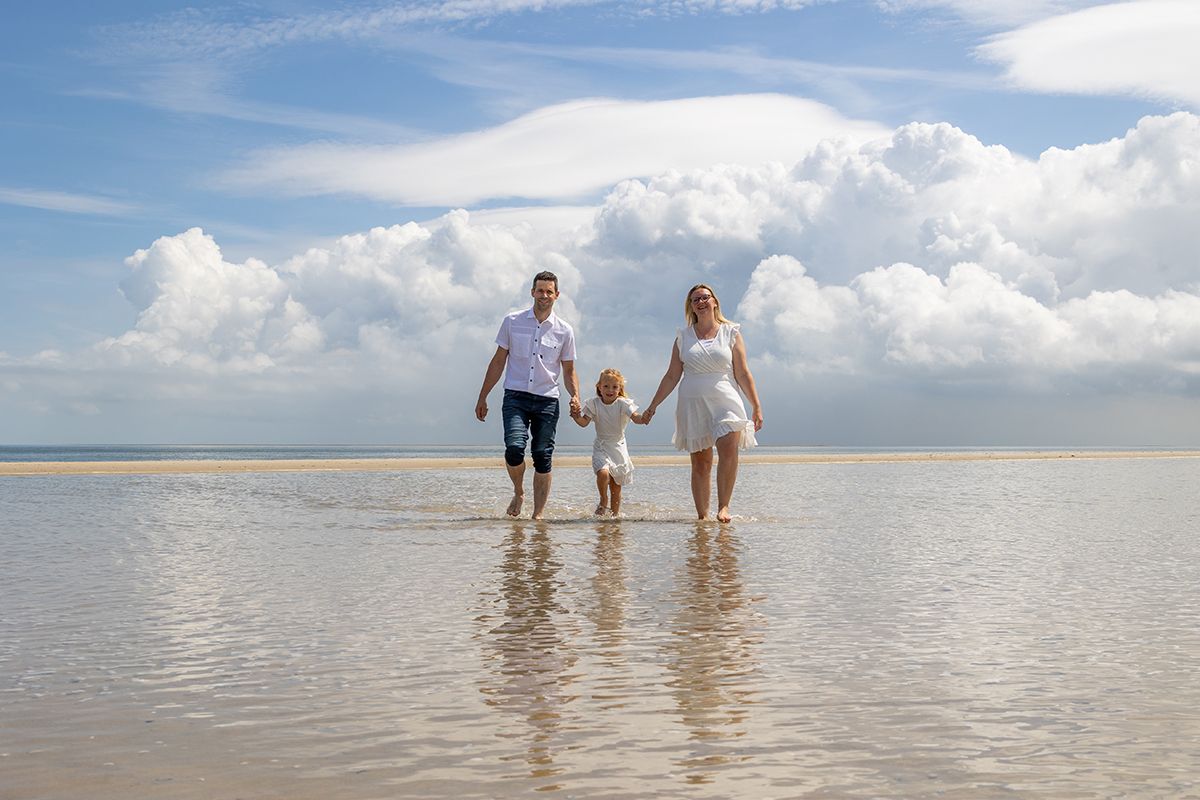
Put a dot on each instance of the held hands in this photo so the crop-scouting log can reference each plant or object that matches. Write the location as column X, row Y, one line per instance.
column 576, row 406
column 646, row 416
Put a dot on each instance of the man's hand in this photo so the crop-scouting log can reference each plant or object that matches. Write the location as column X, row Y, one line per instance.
column 576, row 406
column 481, row 409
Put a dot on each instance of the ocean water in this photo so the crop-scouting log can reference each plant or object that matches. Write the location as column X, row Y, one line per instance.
column 982, row 629
column 211, row 452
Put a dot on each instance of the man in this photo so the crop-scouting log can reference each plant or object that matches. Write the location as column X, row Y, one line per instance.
column 532, row 348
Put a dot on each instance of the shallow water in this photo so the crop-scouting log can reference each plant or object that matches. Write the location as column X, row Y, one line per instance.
column 968, row 630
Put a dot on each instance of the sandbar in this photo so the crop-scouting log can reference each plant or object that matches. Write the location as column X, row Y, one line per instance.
column 237, row 466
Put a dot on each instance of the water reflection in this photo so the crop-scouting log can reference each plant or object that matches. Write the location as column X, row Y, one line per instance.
column 711, row 652
column 610, row 593
column 528, row 647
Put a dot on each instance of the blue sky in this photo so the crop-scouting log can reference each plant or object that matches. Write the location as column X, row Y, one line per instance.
column 632, row 144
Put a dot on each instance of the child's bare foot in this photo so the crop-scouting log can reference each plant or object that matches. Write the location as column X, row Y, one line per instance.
column 601, row 510
column 514, row 507
column 724, row 516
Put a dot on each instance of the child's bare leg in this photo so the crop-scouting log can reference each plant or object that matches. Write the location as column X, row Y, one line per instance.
column 602, row 488
column 614, row 491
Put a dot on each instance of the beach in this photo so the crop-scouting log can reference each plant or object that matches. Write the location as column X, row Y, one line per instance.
column 870, row 625
column 186, row 466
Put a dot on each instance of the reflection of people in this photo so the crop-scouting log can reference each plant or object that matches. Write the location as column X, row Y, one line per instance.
column 712, row 658
column 611, row 409
column 530, row 648
column 611, row 597
column 532, row 348
column 709, row 364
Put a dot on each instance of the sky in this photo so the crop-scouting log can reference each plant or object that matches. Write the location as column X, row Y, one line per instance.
column 938, row 222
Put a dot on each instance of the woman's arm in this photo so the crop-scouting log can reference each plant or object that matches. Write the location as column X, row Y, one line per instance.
column 670, row 380
column 745, row 381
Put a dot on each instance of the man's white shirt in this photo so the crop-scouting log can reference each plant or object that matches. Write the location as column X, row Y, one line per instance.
column 535, row 351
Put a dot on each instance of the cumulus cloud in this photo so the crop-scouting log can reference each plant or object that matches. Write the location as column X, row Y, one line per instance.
column 411, row 292
column 566, row 151
column 1141, row 49
column 923, row 260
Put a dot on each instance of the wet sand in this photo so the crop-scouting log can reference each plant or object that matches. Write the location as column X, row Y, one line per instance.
column 15, row 468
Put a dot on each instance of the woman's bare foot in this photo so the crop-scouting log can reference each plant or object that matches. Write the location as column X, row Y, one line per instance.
column 514, row 507
column 601, row 510
column 724, row 516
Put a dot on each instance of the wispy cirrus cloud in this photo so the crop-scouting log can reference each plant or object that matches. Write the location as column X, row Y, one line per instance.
column 212, row 33
column 1143, row 49
column 67, row 202
column 204, row 90
column 989, row 13
column 561, row 152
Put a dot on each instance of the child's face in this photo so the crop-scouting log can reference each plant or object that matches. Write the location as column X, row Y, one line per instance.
column 609, row 389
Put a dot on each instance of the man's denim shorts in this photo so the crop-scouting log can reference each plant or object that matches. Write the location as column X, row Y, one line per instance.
column 528, row 414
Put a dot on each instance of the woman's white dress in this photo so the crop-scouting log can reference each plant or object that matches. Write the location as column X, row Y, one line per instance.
column 609, row 451
column 709, row 404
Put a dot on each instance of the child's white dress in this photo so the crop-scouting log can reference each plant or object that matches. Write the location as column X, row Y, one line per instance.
column 609, row 449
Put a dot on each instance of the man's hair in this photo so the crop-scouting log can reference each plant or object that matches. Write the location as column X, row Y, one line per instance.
column 545, row 276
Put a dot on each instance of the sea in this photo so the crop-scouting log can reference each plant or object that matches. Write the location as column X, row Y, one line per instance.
column 269, row 452
column 959, row 629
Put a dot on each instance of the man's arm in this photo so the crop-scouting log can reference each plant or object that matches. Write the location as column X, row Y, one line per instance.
column 572, row 383
column 495, row 369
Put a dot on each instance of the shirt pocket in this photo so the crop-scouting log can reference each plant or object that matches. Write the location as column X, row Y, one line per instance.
column 522, row 344
column 550, row 343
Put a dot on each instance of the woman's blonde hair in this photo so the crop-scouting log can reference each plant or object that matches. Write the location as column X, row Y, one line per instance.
column 690, row 314
column 616, row 375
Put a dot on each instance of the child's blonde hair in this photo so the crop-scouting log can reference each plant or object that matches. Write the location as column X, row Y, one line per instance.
column 616, row 375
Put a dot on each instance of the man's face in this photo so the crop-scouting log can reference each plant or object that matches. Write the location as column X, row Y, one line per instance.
column 544, row 294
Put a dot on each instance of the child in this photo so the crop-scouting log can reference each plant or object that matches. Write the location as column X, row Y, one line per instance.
column 611, row 409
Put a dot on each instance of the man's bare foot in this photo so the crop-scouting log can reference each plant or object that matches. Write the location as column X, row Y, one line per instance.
column 724, row 516
column 601, row 510
column 514, row 507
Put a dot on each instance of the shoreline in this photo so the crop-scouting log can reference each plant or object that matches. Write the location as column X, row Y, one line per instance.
column 237, row 466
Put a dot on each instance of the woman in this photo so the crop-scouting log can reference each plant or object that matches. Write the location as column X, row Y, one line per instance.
column 708, row 363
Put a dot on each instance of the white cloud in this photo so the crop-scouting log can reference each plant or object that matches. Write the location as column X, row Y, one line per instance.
column 985, row 12
column 1142, row 49
column 914, row 266
column 561, row 152
column 209, row 89
column 410, row 292
column 68, row 202
column 204, row 34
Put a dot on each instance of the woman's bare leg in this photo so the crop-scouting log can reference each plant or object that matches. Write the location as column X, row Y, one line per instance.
column 702, row 461
column 727, row 467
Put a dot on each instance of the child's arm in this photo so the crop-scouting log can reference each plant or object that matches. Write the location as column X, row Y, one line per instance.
column 581, row 418
column 636, row 416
